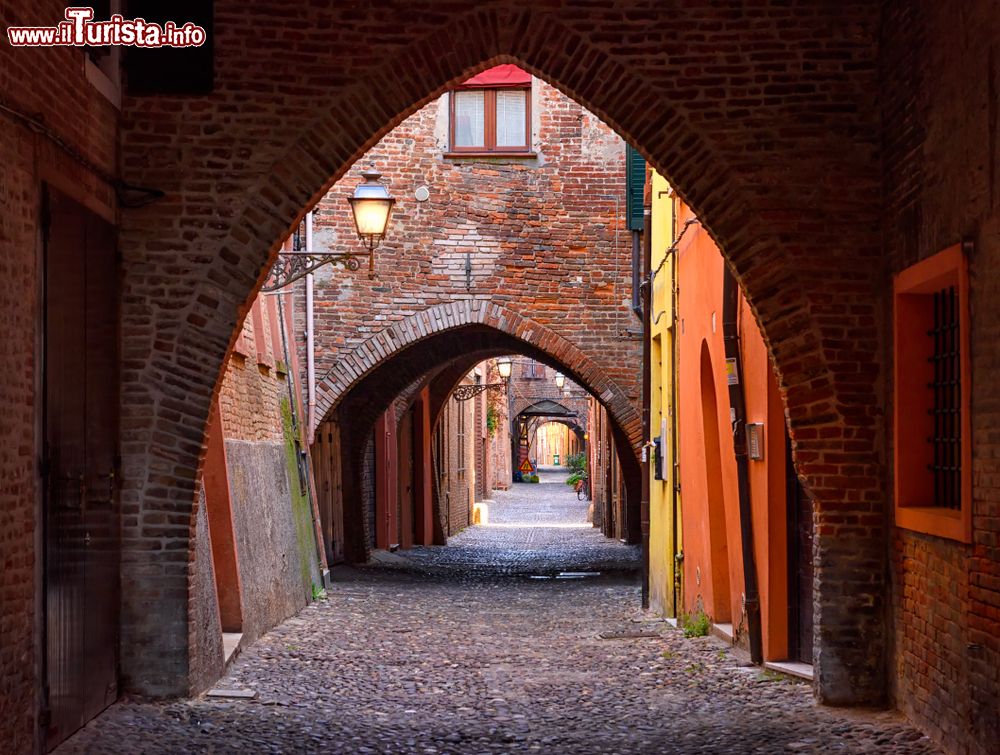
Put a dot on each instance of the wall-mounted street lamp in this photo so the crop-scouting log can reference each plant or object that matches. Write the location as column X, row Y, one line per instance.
column 560, row 380
column 466, row 392
column 371, row 205
column 371, row 208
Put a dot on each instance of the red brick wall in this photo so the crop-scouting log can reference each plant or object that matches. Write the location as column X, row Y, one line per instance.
column 940, row 120
column 544, row 236
column 75, row 113
column 254, row 385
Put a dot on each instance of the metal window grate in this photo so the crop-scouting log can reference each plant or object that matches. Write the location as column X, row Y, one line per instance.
column 946, row 410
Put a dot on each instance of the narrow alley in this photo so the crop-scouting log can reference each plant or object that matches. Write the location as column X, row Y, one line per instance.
column 564, row 376
column 519, row 636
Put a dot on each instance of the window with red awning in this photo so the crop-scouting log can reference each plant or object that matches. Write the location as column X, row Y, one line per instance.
column 491, row 112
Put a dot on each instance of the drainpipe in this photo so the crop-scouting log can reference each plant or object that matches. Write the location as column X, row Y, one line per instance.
column 646, row 313
column 674, row 420
column 730, row 329
column 310, row 343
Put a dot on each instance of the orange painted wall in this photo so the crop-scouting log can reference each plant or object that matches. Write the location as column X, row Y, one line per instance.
column 708, row 546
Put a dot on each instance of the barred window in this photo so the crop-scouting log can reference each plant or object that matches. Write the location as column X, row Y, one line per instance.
column 932, row 454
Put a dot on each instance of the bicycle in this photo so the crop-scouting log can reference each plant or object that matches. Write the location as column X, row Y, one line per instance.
column 582, row 489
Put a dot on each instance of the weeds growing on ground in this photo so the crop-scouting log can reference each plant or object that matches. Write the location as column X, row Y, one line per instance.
column 696, row 624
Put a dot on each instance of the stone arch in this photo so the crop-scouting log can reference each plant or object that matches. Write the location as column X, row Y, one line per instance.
column 760, row 168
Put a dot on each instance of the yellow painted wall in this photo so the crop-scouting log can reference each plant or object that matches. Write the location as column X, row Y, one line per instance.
column 553, row 439
column 662, row 415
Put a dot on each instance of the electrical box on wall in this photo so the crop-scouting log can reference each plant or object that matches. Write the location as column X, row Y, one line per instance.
column 755, row 441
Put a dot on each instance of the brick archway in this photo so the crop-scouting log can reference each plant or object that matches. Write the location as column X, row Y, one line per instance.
column 394, row 339
column 446, row 340
column 792, row 204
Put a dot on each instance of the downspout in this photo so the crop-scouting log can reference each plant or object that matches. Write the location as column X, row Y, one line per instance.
column 647, row 300
column 310, row 344
column 734, row 362
column 674, row 420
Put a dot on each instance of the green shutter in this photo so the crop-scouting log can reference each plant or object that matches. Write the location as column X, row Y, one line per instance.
column 635, row 182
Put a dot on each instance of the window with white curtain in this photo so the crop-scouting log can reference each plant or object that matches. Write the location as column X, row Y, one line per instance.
column 512, row 108
column 470, row 119
column 491, row 120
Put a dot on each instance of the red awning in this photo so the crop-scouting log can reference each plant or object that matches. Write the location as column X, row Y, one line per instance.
column 506, row 75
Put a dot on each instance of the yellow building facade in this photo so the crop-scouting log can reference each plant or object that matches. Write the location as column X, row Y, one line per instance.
column 664, row 498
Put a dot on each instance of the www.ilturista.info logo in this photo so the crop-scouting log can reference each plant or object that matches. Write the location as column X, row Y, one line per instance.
column 79, row 30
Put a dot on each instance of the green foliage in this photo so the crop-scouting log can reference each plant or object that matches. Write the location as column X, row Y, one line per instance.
column 577, row 464
column 770, row 676
column 492, row 420
column 533, row 478
column 696, row 624
column 318, row 593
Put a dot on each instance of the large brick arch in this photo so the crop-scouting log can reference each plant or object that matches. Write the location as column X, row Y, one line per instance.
column 773, row 141
column 553, row 349
column 442, row 343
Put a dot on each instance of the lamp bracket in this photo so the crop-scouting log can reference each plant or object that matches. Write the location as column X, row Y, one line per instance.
column 291, row 265
column 466, row 392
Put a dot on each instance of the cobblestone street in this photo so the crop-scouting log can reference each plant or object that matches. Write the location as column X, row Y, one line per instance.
column 491, row 644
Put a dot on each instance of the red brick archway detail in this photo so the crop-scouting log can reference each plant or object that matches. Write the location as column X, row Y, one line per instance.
column 775, row 146
column 442, row 343
column 403, row 334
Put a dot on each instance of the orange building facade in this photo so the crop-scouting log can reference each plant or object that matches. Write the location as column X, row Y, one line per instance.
column 714, row 563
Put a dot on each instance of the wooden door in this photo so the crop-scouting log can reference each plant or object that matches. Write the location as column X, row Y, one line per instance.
column 329, row 490
column 404, row 477
column 800, row 566
column 81, row 513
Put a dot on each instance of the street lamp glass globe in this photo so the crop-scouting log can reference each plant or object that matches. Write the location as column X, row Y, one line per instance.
column 371, row 205
column 560, row 380
column 503, row 366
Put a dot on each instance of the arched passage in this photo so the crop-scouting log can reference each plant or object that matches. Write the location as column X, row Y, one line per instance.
column 752, row 167
column 528, row 337
column 454, row 346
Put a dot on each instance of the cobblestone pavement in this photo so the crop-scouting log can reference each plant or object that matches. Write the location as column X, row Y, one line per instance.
column 536, row 529
column 463, row 654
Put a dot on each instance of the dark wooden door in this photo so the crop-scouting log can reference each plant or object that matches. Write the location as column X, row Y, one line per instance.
column 800, row 566
column 404, row 477
column 81, row 513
